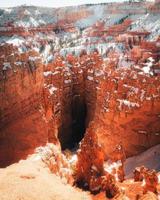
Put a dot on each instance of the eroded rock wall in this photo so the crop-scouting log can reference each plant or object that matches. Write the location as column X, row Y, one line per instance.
column 76, row 69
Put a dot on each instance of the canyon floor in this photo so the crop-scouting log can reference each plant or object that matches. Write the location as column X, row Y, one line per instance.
column 31, row 180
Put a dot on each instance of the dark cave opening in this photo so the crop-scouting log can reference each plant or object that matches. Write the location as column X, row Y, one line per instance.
column 79, row 113
column 70, row 135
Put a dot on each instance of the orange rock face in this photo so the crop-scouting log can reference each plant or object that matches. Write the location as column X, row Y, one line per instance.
column 90, row 167
column 82, row 88
column 20, row 124
column 130, row 109
column 121, row 106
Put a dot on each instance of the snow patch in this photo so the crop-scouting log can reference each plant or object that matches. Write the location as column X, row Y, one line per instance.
column 47, row 73
column 52, row 89
column 127, row 103
column 149, row 158
column 67, row 81
column 15, row 40
column 6, row 66
column 90, row 78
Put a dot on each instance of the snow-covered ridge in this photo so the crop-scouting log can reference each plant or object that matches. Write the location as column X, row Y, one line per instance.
column 46, row 45
column 27, row 16
column 32, row 16
column 148, row 22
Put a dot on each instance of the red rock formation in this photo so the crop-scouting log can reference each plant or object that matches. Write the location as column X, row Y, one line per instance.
column 108, row 107
column 119, row 28
column 122, row 125
column 113, row 108
column 22, row 125
column 90, row 166
column 149, row 178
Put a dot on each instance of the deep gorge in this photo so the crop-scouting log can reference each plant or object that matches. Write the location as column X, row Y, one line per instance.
column 80, row 101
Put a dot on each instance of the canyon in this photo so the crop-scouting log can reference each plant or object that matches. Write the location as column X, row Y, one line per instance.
column 79, row 99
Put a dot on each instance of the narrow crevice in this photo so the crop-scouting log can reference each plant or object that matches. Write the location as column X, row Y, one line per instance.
column 77, row 128
column 79, row 113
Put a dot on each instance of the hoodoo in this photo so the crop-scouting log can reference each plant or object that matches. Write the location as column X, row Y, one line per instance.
column 80, row 102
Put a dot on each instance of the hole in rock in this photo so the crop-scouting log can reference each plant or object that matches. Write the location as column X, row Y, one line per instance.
column 70, row 139
column 79, row 113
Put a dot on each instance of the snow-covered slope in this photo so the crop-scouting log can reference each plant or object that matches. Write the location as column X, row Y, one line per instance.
column 148, row 22
column 84, row 20
column 27, row 16
column 149, row 158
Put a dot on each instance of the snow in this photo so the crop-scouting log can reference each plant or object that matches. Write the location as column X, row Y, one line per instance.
column 127, row 103
column 148, row 98
column 16, row 40
column 6, row 65
column 73, row 159
column 133, row 90
column 147, row 69
column 142, row 132
column 45, row 53
column 67, row 81
column 26, row 12
column 110, row 166
column 123, row 62
column 150, row 23
column 80, row 71
column 78, row 46
column 67, row 74
column 151, row 59
column 18, row 63
column 29, row 17
column 33, row 22
column 47, row 73
column 99, row 73
column 90, row 78
column 52, row 89
column 54, row 73
column 8, row 10
column 149, row 158
column 50, row 58
column 31, row 58
column 159, row 180
column 36, row 49
column 148, row 66
column 94, row 167
column 157, row 71
column 90, row 70
column 142, row 95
